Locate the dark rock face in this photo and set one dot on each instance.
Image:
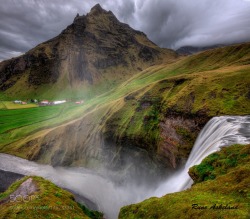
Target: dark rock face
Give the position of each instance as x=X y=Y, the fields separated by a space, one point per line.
x=84 y=51
x=7 y=178
x=147 y=54
x=178 y=133
x=42 y=69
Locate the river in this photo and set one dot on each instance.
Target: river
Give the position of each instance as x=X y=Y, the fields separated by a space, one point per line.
x=108 y=196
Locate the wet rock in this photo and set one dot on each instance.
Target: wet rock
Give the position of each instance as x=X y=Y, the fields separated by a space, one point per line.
x=7 y=178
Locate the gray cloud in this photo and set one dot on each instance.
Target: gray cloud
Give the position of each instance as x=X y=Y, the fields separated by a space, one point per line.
x=169 y=23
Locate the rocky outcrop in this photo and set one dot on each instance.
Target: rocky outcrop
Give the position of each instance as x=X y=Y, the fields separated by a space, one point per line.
x=27 y=188
x=178 y=134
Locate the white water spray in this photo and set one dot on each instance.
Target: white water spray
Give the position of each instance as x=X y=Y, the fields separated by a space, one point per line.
x=98 y=188
x=219 y=132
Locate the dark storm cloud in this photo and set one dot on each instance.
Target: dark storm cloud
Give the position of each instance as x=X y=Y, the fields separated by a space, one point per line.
x=169 y=23
x=195 y=22
x=25 y=23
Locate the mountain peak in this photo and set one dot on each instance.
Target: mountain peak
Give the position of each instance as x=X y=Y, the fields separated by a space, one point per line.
x=97 y=9
x=94 y=44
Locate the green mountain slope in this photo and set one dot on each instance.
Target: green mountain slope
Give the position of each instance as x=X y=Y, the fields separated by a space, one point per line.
x=157 y=113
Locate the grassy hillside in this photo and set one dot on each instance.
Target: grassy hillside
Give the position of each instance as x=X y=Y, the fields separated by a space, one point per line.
x=165 y=116
x=49 y=201
x=221 y=179
x=161 y=109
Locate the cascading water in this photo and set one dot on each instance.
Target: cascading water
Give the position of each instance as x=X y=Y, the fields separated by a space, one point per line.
x=218 y=132
x=109 y=197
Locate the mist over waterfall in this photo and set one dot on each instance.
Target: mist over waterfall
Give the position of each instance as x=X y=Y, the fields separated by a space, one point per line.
x=108 y=196
x=218 y=132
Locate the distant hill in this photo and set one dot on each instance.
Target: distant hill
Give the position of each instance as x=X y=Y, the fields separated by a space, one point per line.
x=94 y=49
x=189 y=50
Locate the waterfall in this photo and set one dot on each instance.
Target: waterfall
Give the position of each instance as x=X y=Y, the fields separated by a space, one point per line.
x=218 y=132
x=110 y=197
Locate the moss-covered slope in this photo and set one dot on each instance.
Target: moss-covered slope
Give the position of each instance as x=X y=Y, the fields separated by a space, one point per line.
x=165 y=117
x=46 y=201
x=221 y=181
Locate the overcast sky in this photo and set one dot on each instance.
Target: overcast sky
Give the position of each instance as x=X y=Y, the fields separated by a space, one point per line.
x=169 y=23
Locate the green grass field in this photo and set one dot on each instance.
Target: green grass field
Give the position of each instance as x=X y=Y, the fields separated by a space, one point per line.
x=2 y=106
x=11 y=105
x=16 y=123
x=14 y=119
